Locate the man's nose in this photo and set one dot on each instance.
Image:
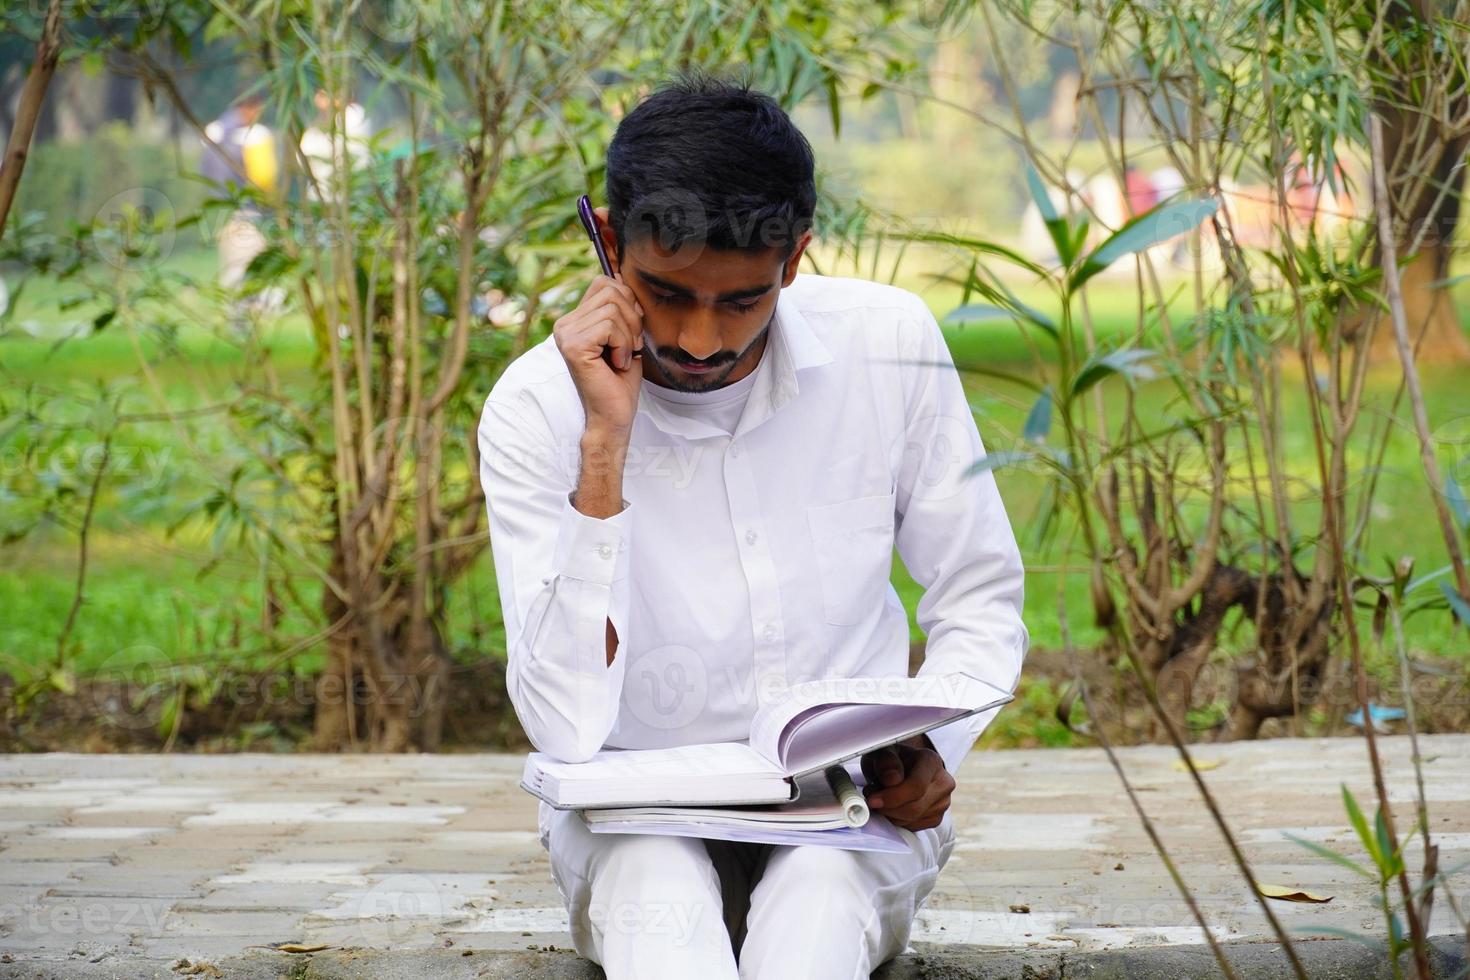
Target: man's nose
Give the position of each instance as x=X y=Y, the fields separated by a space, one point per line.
x=699 y=337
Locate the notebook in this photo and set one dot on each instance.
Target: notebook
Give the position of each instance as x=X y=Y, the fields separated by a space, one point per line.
x=813 y=725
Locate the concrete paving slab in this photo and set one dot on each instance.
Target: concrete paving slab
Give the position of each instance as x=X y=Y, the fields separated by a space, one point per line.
x=404 y=864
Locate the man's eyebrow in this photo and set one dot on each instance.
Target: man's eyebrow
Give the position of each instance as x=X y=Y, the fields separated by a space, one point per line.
x=749 y=292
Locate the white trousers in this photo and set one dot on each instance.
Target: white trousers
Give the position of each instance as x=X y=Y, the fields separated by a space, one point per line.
x=645 y=906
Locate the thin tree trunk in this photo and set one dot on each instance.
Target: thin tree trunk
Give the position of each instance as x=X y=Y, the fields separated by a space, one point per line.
x=48 y=52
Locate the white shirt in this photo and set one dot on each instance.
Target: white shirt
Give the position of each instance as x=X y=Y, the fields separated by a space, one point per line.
x=750 y=559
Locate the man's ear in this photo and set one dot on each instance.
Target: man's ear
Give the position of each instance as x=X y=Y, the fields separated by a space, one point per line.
x=788 y=271
x=609 y=237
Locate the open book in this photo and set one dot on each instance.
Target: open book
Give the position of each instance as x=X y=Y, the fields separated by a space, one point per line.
x=815 y=724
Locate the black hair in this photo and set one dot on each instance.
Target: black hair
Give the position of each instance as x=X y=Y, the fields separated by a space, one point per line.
x=709 y=161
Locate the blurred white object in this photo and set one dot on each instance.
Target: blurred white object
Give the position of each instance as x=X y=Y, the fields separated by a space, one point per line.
x=324 y=154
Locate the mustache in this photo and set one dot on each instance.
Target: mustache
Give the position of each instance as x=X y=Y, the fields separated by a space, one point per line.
x=677 y=357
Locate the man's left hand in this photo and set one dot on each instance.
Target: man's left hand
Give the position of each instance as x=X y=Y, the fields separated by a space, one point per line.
x=908 y=783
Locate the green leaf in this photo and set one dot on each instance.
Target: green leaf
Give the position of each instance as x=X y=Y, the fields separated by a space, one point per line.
x=973 y=245
x=101 y=320
x=978 y=312
x=1056 y=225
x=1003 y=298
x=834 y=105
x=1340 y=934
x=1038 y=420
x=1040 y=196
x=1128 y=362
x=168 y=715
x=1391 y=859
x=1360 y=825
x=994 y=461
x=1457 y=602
x=1332 y=855
x=63 y=680
x=1157 y=224
x=1455 y=494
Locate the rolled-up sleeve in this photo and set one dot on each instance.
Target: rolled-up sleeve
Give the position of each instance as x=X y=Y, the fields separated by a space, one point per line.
x=561 y=575
x=954 y=536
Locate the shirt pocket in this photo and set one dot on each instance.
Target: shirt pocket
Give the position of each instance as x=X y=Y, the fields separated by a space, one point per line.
x=853 y=543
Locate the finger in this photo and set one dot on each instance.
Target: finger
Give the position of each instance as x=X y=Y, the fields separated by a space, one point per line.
x=627 y=291
x=883 y=768
x=613 y=341
x=934 y=798
x=613 y=325
x=916 y=784
x=928 y=820
x=893 y=798
x=604 y=288
x=613 y=304
x=629 y=312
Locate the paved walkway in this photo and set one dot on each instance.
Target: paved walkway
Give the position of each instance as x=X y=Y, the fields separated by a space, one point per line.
x=124 y=865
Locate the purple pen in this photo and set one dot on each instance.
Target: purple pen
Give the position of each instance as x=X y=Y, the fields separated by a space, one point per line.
x=589 y=224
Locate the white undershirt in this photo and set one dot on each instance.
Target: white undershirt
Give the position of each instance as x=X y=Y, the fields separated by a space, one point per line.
x=720 y=408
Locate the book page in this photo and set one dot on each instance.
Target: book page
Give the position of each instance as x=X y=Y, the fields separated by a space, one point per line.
x=711 y=759
x=878 y=834
x=916 y=703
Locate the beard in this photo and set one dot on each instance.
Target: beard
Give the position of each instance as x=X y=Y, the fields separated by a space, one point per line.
x=713 y=380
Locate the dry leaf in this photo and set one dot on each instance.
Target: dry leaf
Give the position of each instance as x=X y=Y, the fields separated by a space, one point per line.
x=1203 y=765
x=292 y=947
x=1291 y=894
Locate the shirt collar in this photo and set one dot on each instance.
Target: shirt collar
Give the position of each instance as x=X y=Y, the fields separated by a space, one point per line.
x=792 y=346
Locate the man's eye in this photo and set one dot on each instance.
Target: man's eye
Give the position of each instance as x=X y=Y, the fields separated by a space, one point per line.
x=662 y=298
x=743 y=307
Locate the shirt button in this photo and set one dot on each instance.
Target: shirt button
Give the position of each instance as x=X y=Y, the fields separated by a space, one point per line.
x=734 y=450
x=769 y=632
x=750 y=537
x=604 y=550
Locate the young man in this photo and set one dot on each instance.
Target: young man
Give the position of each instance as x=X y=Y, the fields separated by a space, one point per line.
x=679 y=535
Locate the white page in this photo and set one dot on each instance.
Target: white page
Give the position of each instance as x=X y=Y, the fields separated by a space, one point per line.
x=878 y=834
x=711 y=758
x=815 y=808
x=806 y=702
x=710 y=773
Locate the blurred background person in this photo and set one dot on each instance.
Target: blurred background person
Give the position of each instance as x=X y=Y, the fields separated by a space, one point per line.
x=243 y=153
x=324 y=151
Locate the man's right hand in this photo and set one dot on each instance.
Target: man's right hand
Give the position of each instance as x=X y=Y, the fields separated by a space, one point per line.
x=608 y=316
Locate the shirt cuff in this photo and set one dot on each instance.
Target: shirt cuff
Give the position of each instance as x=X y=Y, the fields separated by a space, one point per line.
x=592 y=549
